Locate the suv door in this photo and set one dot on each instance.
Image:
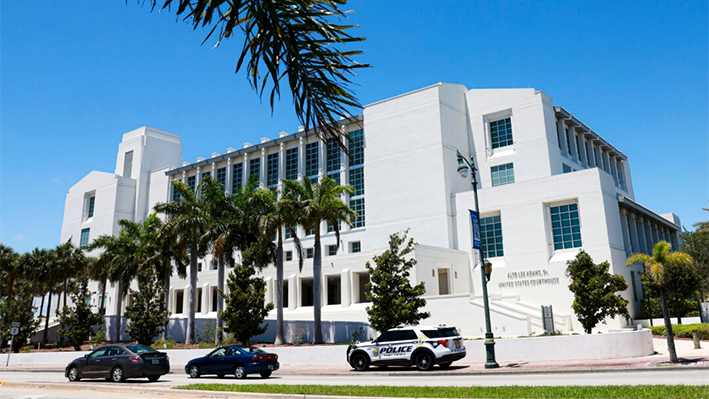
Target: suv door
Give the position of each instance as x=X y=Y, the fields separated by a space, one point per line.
x=396 y=346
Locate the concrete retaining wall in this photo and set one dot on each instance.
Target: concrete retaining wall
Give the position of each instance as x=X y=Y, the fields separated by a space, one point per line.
x=565 y=347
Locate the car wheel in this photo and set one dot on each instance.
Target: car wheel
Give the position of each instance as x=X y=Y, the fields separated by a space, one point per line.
x=424 y=361
x=359 y=362
x=194 y=371
x=153 y=378
x=240 y=372
x=220 y=375
x=265 y=374
x=445 y=365
x=117 y=374
x=74 y=374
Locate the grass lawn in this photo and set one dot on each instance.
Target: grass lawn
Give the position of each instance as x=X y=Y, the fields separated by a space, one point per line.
x=570 y=392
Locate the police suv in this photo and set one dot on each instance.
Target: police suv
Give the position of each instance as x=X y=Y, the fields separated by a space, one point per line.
x=423 y=346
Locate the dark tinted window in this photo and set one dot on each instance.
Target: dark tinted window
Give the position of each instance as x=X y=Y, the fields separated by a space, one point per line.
x=140 y=349
x=389 y=336
x=440 y=333
x=407 y=334
x=99 y=352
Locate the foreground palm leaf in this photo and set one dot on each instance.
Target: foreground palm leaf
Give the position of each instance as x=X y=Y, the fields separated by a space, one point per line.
x=291 y=39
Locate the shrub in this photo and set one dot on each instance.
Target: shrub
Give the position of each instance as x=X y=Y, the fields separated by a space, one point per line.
x=684 y=330
x=158 y=344
x=206 y=345
x=229 y=340
x=208 y=332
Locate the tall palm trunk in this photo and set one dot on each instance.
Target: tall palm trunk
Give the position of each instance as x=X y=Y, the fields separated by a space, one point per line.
x=279 y=291
x=220 y=305
x=102 y=308
x=317 y=291
x=668 y=328
x=166 y=284
x=193 y=294
x=46 y=320
x=119 y=305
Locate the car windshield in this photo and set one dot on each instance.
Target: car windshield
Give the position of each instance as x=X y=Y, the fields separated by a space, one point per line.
x=252 y=349
x=139 y=349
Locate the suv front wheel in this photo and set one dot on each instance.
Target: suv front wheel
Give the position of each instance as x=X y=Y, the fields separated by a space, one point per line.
x=360 y=362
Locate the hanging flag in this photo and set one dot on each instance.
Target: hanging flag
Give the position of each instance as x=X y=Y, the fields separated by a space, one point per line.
x=476 y=229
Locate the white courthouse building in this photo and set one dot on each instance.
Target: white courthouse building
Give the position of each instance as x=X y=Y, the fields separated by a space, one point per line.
x=548 y=186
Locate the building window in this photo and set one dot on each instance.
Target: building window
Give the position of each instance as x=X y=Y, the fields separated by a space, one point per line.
x=558 y=135
x=357 y=180
x=221 y=176
x=501 y=133
x=205 y=174
x=179 y=301
x=567 y=168
x=356 y=147
x=566 y=229
x=84 y=239
x=90 y=210
x=491 y=237
x=311 y=161
x=285 y=294
x=198 y=308
x=331 y=250
x=192 y=182
x=357 y=205
x=128 y=164
x=568 y=140
x=331 y=228
x=355 y=246
x=632 y=279
x=306 y=292
x=255 y=168
x=237 y=177
x=578 y=148
x=333 y=290
x=310 y=232
x=309 y=253
x=289 y=256
x=292 y=164
x=272 y=170
x=333 y=156
x=288 y=232
x=502 y=174
x=215 y=297
x=362 y=280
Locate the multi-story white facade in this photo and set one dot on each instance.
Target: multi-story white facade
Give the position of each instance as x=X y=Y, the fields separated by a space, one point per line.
x=548 y=187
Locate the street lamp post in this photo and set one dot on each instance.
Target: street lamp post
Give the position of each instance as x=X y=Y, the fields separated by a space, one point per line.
x=485 y=266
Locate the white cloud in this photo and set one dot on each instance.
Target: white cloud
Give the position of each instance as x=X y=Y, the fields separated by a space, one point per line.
x=20 y=237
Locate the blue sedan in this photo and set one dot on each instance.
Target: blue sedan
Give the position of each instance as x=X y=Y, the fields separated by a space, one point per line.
x=237 y=360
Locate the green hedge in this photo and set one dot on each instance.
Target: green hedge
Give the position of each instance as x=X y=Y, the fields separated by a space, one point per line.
x=684 y=330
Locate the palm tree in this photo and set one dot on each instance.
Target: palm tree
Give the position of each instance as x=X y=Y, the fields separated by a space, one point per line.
x=312 y=204
x=295 y=39
x=124 y=257
x=219 y=210
x=9 y=271
x=655 y=278
x=72 y=261
x=188 y=220
x=279 y=216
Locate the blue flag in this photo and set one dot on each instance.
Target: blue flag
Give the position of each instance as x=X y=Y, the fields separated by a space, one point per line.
x=476 y=229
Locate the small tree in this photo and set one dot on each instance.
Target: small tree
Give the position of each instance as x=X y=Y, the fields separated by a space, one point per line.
x=245 y=303
x=147 y=315
x=394 y=300
x=594 y=289
x=19 y=309
x=77 y=322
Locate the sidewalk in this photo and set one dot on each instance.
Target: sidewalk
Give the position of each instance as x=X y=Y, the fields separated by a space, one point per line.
x=689 y=358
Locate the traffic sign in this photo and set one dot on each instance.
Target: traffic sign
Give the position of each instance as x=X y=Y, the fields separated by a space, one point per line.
x=15 y=324
x=14 y=330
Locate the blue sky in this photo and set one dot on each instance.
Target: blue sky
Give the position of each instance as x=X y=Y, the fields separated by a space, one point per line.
x=76 y=75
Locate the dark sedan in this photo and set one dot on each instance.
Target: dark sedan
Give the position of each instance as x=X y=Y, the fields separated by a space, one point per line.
x=237 y=360
x=118 y=362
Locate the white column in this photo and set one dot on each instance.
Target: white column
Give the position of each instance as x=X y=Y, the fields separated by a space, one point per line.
x=228 y=187
x=263 y=168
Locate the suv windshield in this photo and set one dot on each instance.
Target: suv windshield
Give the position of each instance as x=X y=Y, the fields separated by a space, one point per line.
x=440 y=333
